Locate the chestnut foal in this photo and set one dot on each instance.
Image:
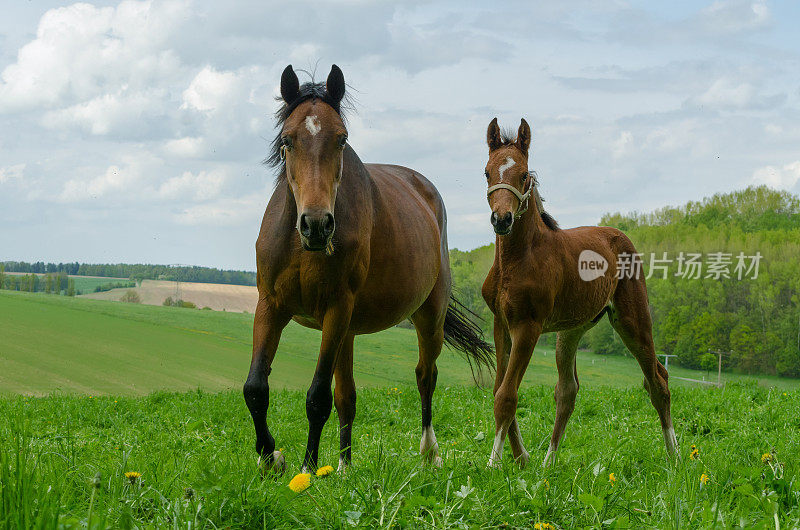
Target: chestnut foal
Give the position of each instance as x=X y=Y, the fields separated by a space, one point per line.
x=535 y=286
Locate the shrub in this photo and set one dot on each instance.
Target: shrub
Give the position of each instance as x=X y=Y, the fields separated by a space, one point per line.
x=131 y=297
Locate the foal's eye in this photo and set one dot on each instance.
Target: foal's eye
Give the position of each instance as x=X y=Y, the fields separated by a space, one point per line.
x=342 y=140
x=486 y=174
x=524 y=177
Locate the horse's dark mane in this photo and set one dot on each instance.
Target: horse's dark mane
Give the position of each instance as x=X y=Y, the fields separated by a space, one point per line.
x=548 y=219
x=308 y=91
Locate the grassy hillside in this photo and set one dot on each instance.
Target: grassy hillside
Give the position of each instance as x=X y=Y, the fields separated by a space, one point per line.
x=61 y=344
x=195 y=455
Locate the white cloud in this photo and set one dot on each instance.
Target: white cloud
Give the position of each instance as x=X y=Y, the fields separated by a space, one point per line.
x=127 y=180
x=212 y=90
x=109 y=113
x=11 y=172
x=622 y=144
x=202 y=186
x=186 y=147
x=727 y=93
x=224 y=212
x=733 y=16
x=80 y=50
x=785 y=177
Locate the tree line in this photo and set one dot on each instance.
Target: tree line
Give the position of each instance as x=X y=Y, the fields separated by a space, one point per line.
x=751 y=314
x=50 y=283
x=137 y=272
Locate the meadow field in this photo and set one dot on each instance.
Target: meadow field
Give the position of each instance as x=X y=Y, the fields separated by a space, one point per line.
x=93 y=389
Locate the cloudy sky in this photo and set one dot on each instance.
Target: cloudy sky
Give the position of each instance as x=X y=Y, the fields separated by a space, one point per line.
x=133 y=131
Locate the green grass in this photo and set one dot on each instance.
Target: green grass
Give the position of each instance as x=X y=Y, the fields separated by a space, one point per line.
x=61 y=344
x=63 y=459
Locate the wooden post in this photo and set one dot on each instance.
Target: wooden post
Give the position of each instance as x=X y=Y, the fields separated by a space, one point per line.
x=719 y=370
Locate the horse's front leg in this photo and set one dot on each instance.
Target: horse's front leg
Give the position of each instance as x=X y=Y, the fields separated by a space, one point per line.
x=319 y=399
x=267 y=327
x=523 y=340
x=344 y=398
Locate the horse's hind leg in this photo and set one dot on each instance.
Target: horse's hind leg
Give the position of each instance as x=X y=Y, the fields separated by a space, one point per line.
x=567 y=386
x=429 y=322
x=630 y=317
x=344 y=397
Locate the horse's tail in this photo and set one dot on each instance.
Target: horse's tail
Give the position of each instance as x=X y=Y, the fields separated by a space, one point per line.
x=464 y=335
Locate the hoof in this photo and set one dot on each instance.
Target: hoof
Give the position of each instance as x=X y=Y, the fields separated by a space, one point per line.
x=436 y=462
x=276 y=465
x=522 y=460
x=493 y=464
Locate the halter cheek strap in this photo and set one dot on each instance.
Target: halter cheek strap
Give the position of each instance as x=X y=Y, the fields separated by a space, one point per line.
x=522 y=197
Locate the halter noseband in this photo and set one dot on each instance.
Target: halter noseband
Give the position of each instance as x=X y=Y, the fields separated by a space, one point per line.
x=523 y=198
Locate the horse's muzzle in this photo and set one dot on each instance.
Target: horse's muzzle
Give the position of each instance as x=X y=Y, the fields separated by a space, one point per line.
x=502 y=224
x=316 y=230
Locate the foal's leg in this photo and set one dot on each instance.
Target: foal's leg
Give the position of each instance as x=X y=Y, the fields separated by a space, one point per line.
x=429 y=323
x=502 y=347
x=267 y=327
x=523 y=340
x=567 y=386
x=630 y=317
x=319 y=399
x=344 y=397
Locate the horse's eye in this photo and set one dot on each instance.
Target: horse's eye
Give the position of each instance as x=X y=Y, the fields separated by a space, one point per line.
x=342 y=140
x=486 y=174
x=524 y=177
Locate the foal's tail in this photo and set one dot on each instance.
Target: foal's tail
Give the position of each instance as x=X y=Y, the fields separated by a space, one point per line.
x=464 y=335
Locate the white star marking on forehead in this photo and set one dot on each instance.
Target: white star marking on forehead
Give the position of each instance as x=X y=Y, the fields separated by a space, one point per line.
x=312 y=124
x=508 y=165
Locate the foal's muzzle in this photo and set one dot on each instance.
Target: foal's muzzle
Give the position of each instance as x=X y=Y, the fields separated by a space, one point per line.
x=502 y=223
x=316 y=230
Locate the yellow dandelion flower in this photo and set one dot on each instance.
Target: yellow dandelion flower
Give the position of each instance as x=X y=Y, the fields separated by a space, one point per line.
x=132 y=476
x=612 y=478
x=546 y=484
x=543 y=526
x=300 y=482
x=703 y=479
x=766 y=457
x=695 y=454
x=324 y=471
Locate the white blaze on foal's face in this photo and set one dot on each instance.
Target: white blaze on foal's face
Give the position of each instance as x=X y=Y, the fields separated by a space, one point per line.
x=312 y=124
x=509 y=163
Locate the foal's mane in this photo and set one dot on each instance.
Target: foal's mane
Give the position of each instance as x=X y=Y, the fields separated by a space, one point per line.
x=508 y=137
x=548 y=219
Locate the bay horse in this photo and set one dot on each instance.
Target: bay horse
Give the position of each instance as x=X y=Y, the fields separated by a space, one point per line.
x=535 y=286
x=347 y=248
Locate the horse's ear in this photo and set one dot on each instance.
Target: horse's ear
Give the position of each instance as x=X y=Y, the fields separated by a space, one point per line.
x=493 y=137
x=524 y=136
x=290 y=85
x=335 y=84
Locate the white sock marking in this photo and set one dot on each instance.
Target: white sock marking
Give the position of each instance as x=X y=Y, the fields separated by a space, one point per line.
x=505 y=167
x=428 y=442
x=497 y=449
x=312 y=124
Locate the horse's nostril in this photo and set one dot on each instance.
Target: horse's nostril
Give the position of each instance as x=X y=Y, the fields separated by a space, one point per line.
x=495 y=218
x=305 y=228
x=328 y=225
x=507 y=218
